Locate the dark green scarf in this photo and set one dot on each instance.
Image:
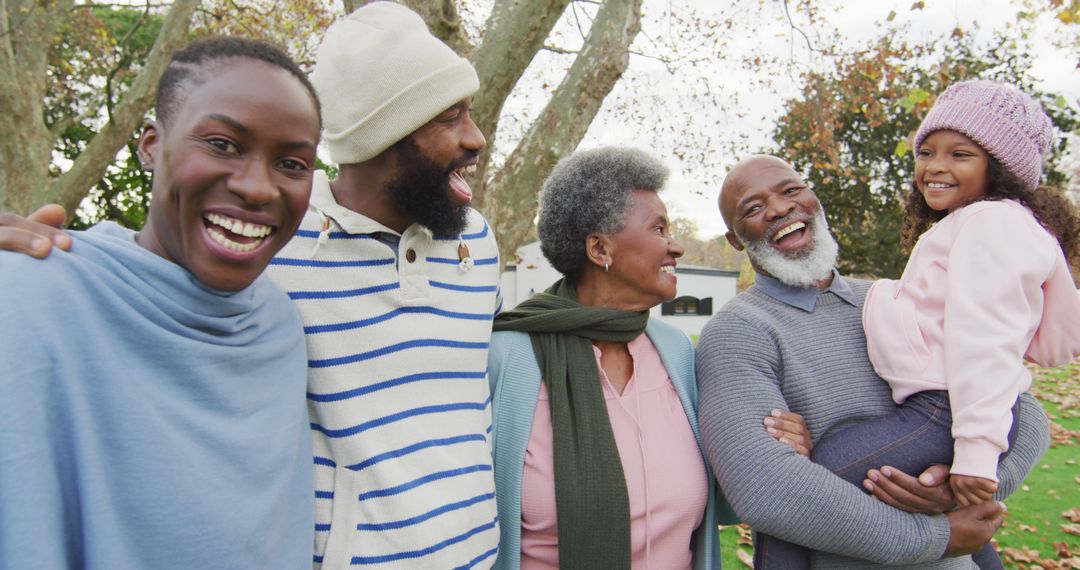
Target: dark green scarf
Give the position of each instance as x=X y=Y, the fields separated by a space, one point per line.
x=591 y=500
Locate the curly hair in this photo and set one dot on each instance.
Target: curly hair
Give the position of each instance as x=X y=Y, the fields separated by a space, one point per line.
x=591 y=192
x=204 y=58
x=1051 y=208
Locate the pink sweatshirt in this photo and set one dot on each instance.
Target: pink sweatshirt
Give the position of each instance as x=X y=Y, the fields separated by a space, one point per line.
x=984 y=288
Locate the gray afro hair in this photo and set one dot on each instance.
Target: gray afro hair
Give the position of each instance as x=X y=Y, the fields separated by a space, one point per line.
x=590 y=192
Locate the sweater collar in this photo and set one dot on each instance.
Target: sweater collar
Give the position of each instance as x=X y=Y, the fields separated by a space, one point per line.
x=804 y=298
x=322 y=199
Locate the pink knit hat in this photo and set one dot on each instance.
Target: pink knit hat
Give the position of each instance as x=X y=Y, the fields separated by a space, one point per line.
x=1006 y=123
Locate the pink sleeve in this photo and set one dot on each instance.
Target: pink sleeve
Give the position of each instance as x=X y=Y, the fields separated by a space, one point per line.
x=993 y=301
x=1058 y=339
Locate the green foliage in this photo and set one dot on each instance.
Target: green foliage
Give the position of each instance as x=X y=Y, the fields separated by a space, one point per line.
x=100 y=52
x=96 y=58
x=122 y=196
x=850 y=132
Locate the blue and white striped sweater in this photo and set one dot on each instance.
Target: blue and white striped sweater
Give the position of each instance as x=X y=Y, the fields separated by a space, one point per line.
x=397 y=389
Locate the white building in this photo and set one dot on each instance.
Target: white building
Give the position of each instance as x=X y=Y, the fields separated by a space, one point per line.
x=701 y=290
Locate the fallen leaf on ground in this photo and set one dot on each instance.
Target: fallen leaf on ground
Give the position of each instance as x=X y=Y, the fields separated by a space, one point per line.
x=746 y=536
x=1019 y=555
x=1062 y=436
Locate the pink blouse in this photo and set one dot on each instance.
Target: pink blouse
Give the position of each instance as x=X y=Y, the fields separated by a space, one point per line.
x=665 y=474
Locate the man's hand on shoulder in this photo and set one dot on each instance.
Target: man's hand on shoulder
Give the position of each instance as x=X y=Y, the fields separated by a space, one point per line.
x=35 y=235
x=927 y=494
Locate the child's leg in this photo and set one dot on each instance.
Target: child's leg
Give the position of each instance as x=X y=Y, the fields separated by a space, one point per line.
x=987 y=558
x=916 y=435
x=771 y=553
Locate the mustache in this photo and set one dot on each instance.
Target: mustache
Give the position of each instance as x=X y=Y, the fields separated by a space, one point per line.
x=466 y=158
x=787 y=220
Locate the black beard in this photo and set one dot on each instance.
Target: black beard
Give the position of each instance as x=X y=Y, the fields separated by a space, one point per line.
x=421 y=191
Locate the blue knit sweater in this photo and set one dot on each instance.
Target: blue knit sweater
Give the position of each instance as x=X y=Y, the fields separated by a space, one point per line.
x=146 y=421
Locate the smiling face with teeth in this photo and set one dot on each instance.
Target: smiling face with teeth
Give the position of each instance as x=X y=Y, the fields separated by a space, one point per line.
x=640 y=256
x=231 y=173
x=771 y=212
x=951 y=170
x=763 y=198
x=431 y=164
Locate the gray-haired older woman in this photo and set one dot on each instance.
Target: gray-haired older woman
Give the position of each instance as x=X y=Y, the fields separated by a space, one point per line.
x=602 y=468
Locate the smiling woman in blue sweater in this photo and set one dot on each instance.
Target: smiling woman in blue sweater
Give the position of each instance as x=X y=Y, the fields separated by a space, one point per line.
x=152 y=397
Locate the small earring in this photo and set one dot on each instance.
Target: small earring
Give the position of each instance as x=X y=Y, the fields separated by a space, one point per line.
x=606 y=266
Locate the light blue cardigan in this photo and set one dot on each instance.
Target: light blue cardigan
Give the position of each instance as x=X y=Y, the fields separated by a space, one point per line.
x=515 y=387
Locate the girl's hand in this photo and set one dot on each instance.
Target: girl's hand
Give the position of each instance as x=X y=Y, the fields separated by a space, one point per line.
x=790 y=428
x=971 y=490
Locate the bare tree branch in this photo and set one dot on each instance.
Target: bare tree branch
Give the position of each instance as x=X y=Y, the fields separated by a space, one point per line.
x=70 y=188
x=124 y=61
x=516 y=31
x=794 y=28
x=577 y=21
x=563 y=122
x=559 y=50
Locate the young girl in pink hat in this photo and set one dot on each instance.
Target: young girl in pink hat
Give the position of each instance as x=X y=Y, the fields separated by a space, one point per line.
x=987 y=286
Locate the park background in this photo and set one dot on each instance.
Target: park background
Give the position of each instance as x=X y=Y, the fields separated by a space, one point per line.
x=838 y=88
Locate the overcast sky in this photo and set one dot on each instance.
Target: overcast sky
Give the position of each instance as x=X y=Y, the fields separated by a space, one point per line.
x=734 y=116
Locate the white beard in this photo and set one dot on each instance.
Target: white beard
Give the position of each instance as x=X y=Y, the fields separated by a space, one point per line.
x=806 y=270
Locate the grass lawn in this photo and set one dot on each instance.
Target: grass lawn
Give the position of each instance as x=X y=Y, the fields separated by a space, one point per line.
x=1042 y=530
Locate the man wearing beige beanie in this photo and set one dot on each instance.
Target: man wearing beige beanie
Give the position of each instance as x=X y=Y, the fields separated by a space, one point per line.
x=396 y=281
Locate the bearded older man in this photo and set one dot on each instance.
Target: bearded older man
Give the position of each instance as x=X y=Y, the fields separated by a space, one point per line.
x=794 y=341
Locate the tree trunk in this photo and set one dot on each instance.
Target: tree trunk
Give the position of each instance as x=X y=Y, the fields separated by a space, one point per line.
x=516 y=31
x=511 y=195
x=70 y=188
x=444 y=22
x=26 y=28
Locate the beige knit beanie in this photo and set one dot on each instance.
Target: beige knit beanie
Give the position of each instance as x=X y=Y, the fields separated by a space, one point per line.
x=380 y=76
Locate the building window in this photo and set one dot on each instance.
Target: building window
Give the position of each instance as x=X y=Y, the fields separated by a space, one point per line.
x=687 y=306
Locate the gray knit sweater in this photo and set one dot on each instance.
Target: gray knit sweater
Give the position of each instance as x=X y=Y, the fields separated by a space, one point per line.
x=758 y=354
